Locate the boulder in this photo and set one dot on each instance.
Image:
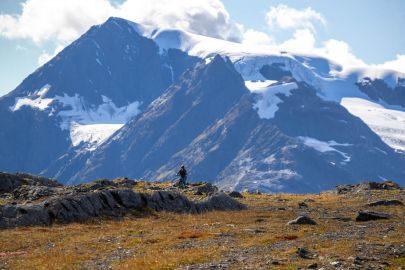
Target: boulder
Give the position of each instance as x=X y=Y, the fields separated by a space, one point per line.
x=366 y=215
x=385 y=203
x=125 y=182
x=236 y=194
x=207 y=188
x=305 y=253
x=302 y=220
x=221 y=202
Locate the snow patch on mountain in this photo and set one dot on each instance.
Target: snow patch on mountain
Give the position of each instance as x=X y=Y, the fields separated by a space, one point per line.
x=322 y=146
x=258 y=86
x=86 y=123
x=386 y=121
x=37 y=103
x=267 y=105
x=77 y=110
x=93 y=134
x=36 y=100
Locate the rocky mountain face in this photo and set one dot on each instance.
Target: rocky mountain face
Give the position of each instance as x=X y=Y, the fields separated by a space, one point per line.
x=208 y=121
x=126 y=101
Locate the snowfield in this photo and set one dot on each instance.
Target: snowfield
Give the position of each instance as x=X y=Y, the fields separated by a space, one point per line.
x=86 y=123
x=93 y=134
x=267 y=105
x=388 y=123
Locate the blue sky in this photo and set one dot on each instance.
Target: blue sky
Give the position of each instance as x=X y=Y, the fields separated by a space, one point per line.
x=359 y=32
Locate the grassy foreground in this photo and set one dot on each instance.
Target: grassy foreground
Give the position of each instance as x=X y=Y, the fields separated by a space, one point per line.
x=257 y=238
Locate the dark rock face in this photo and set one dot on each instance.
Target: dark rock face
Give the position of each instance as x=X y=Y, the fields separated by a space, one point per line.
x=370 y=215
x=302 y=220
x=305 y=114
x=107 y=203
x=29 y=139
x=378 y=89
x=275 y=71
x=385 y=202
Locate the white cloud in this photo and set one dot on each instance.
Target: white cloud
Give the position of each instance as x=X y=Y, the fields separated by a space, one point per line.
x=63 y=21
x=253 y=37
x=397 y=64
x=208 y=17
x=340 y=52
x=303 y=41
x=284 y=17
x=304 y=22
x=59 y=20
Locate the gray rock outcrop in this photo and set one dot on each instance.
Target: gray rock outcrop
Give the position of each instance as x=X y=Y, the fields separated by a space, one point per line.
x=11 y=181
x=391 y=202
x=386 y=185
x=366 y=215
x=80 y=207
x=302 y=220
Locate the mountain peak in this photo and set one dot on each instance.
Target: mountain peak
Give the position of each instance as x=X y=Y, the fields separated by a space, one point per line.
x=220 y=70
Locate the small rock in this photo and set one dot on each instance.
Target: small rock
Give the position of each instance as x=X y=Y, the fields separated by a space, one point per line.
x=302 y=205
x=336 y=264
x=313 y=266
x=236 y=194
x=305 y=253
x=385 y=203
x=358 y=261
x=370 y=215
x=275 y=262
x=260 y=231
x=302 y=220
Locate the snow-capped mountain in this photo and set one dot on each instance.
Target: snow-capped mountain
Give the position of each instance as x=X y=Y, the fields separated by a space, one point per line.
x=130 y=100
x=360 y=90
x=83 y=95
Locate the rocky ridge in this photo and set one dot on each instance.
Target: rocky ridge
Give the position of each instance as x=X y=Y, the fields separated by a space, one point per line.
x=50 y=202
